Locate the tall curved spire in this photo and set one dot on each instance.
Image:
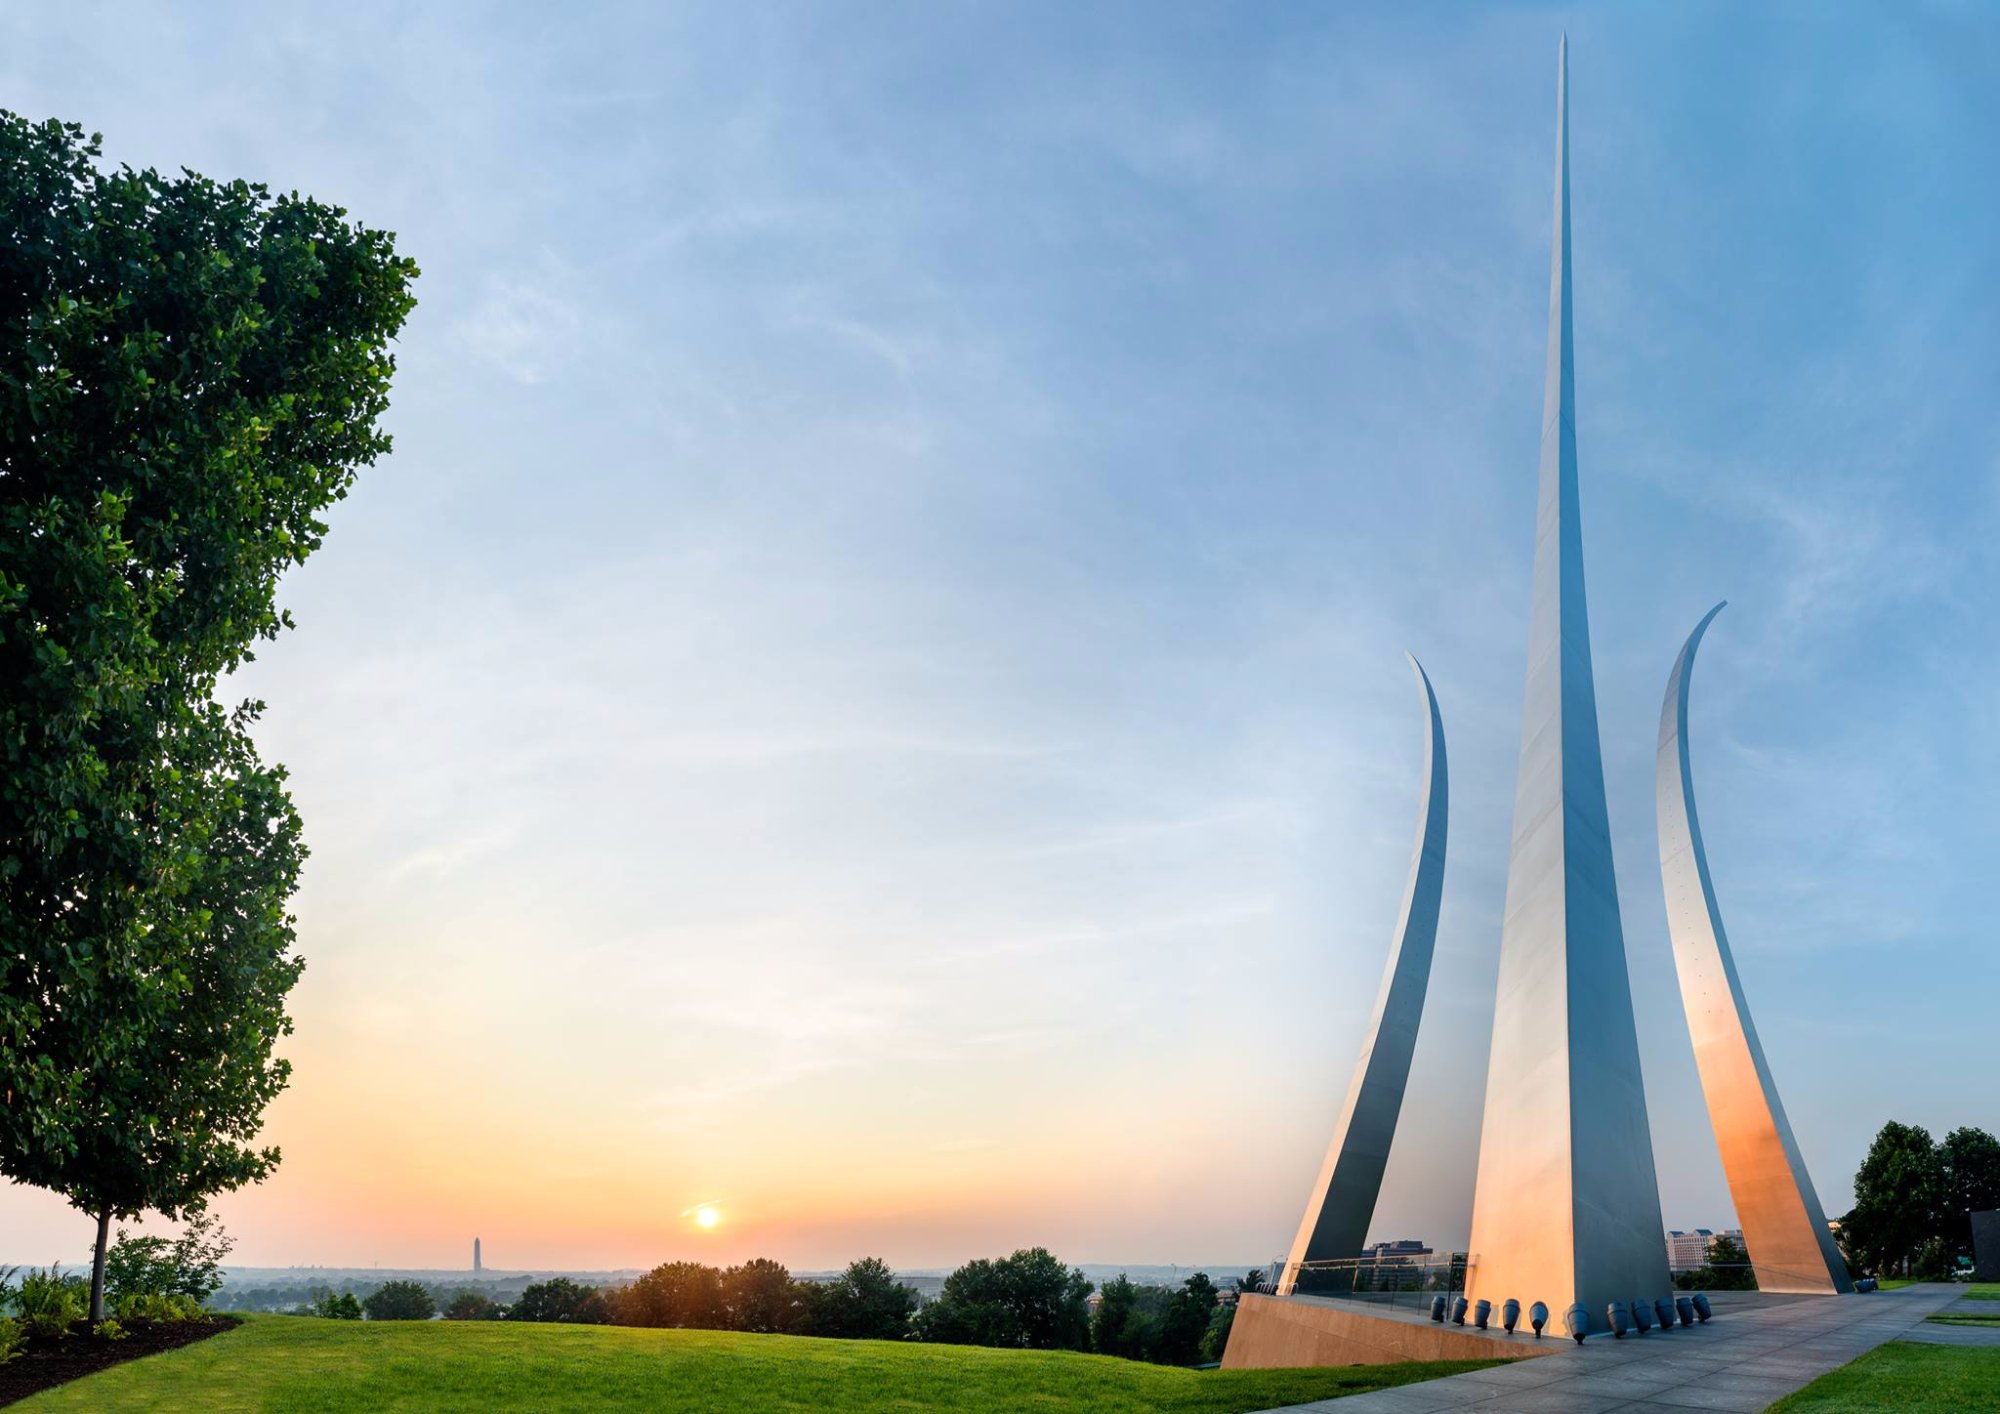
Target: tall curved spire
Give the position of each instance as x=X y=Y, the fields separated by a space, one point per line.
x=1566 y=1207
x=1784 y=1227
x=1343 y=1198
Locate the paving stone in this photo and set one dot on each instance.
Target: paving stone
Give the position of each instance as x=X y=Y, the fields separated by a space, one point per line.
x=1743 y=1361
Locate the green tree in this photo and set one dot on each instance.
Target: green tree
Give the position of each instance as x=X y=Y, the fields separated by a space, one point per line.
x=400 y=1301
x=190 y=373
x=560 y=1300
x=341 y=1307
x=1029 y=1300
x=1186 y=1320
x=761 y=1296
x=1116 y=1326
x=1898 y=1193
x=685 y=1295
x=865 y=1302
x=1971 y=1184
x=472 y=1306
x=1727 y=1267
x=1215 y=1340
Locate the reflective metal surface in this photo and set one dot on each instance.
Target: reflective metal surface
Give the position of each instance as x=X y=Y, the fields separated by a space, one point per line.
x=1566 y=1209
x=1783 y=1225
x=1336 y=1219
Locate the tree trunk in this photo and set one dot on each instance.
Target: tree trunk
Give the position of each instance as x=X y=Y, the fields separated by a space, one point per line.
x=97 y=1267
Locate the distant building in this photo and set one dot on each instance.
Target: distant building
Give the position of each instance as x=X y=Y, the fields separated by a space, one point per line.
x=477 y=1267
x=1688 y=1250
x=1405 y=1249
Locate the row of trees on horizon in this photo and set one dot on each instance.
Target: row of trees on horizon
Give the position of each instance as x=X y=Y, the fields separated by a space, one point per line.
x=1028 y=1301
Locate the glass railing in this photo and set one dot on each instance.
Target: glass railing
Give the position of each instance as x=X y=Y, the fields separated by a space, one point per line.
x=1387 y=1281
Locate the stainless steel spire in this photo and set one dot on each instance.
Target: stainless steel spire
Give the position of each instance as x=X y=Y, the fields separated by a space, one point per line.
x=1343 y=1198
x=1784 y=1227
x=1566 y=1207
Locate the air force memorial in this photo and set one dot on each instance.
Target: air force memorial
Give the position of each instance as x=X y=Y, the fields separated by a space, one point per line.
x=1566 y=1226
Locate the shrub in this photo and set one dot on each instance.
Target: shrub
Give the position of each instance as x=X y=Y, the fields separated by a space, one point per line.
x=50 y=1303
x=190 y=1265
x=155 y=1306
x=12 y=1338
x=336 y=1308
x=108 y=1330
x=561 y=1300
x=400 y=1301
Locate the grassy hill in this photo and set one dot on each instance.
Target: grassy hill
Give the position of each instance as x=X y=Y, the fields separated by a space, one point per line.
x=277 y=1363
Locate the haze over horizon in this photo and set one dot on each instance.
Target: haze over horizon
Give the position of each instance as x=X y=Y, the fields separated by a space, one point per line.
x=870 y=693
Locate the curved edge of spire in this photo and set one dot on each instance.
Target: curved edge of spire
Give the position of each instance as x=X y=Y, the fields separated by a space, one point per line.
x=1776 y=1204
x=1342 y=1201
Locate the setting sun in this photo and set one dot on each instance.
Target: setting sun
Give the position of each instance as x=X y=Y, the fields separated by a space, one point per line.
x=707 y=1215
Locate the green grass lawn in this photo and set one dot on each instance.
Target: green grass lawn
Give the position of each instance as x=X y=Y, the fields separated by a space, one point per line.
x=280 y=1363
x=1986 y=1292
x=1965 y=1318
x=1908 y=1378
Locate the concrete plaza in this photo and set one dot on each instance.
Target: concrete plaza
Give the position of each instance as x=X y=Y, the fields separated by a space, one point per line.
x=1754 y=1352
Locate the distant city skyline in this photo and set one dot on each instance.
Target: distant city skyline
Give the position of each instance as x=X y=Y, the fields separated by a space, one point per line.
x=868 y=696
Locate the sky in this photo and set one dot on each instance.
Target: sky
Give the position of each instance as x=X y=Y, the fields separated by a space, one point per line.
x=870 y=690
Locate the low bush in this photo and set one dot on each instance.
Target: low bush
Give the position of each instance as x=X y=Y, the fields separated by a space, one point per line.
x=189 y=1265
x=331 y=1307
x=12 y=1338
x=155 y=1306
x=108 y=1330
x=49 y=1303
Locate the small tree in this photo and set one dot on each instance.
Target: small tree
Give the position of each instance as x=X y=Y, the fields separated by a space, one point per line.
x=190 y=374
x=865 y=1302
x=340 y=1307
x=400 y=1301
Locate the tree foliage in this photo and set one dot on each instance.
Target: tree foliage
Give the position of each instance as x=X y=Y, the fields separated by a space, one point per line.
x=865 y=1302
x=188 y=1265
x=761 y=1296
x=1029 y=1300
x=1898 y=1199
x=337 y=1306
x=473 y=1306
x=561 y=1300
x=190 y=374
x=673 y=1294
x=1970 y=1159
x=400 y=1301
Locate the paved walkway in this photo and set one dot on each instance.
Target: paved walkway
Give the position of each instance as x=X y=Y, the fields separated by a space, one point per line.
x=1744 y=1360
x=1937 y=1333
